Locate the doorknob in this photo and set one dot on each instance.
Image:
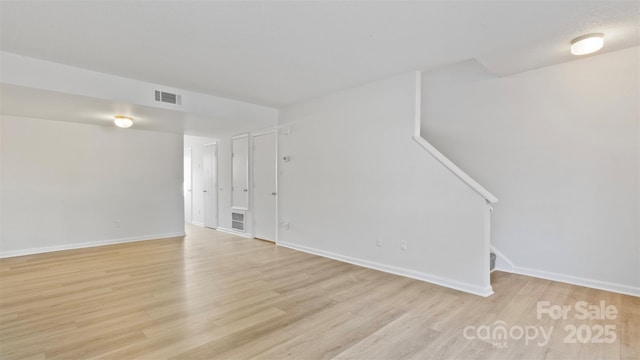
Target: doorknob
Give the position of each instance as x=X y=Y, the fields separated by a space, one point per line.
x=245 y=190
x=273 y=193
x=204 y=190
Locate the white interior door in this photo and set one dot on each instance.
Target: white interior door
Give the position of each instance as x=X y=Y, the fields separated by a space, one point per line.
x=188 y=200
x=240 y=172
x=264 y=186
x=210 y=185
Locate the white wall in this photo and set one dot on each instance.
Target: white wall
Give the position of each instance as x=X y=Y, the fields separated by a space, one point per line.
x=226 y=114
x=559 y=146
x=356 y=176
x=64 y=185
x=197 y=143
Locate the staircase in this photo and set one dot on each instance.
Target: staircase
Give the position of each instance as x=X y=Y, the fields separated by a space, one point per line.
x=492 y=261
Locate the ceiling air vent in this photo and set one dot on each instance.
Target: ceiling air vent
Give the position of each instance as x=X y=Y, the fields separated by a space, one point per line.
x=168 y=98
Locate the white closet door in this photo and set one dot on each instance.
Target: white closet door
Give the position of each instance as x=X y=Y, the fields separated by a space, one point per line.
x=240 y=171
x=188 y=200
x=210 y=185
x=264 y=186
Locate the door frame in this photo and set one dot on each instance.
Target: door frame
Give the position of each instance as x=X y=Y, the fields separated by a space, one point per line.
x=277 y=205
x=214 y=158
x=187 y=189
x=248 y=166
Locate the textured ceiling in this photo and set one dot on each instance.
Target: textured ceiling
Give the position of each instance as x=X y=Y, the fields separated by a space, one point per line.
x=278 y=53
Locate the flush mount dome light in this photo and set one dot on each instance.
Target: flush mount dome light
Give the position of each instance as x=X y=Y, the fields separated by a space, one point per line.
x=123 y=121
x=587 y=44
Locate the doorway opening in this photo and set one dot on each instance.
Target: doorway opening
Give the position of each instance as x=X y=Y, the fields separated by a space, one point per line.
x=201 y=181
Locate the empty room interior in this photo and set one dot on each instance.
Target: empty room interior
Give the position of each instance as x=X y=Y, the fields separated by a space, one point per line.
x=320 y=180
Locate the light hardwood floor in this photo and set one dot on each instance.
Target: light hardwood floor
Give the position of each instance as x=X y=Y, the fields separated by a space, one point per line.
x=216 y=296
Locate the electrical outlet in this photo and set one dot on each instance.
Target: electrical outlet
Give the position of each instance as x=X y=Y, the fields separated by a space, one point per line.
x=285 y=225
x=379 y=242
x=116 y=223
x=404 y=245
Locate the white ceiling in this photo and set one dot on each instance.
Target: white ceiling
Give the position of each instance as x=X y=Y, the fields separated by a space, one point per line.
x=278 y=53
x=53 y=105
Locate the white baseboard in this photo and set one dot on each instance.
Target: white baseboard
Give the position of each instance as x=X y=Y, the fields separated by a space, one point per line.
x=574 y=280
x=507 y=266
x=457 y=285
x=502 y=262
x=196 y=223
x=14 y=253
x=234 y=232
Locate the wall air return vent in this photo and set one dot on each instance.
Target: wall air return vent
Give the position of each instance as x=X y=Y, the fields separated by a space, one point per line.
x=169 y=98
x=237 y=220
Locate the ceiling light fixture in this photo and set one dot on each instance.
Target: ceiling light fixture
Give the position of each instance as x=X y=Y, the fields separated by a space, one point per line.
x=123 y=121
x=587 y=44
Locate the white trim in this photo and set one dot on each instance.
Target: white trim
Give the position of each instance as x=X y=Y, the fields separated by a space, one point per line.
x=487 y=242
x=504 y=264
x=500 y=256
x=215 y=183
x=263 y=132
x=233 y=232
x=277 y=219
x=437 y=154
x=197 y=223
x=574 y=280
x=248 y=167
x=47 y=249
x=240 y=136
x=417 y=122
x=269 y=131
x=187 y=190
x=430 y=278
x=455 y=170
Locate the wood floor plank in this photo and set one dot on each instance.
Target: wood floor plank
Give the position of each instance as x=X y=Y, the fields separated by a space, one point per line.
x=212 y=295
